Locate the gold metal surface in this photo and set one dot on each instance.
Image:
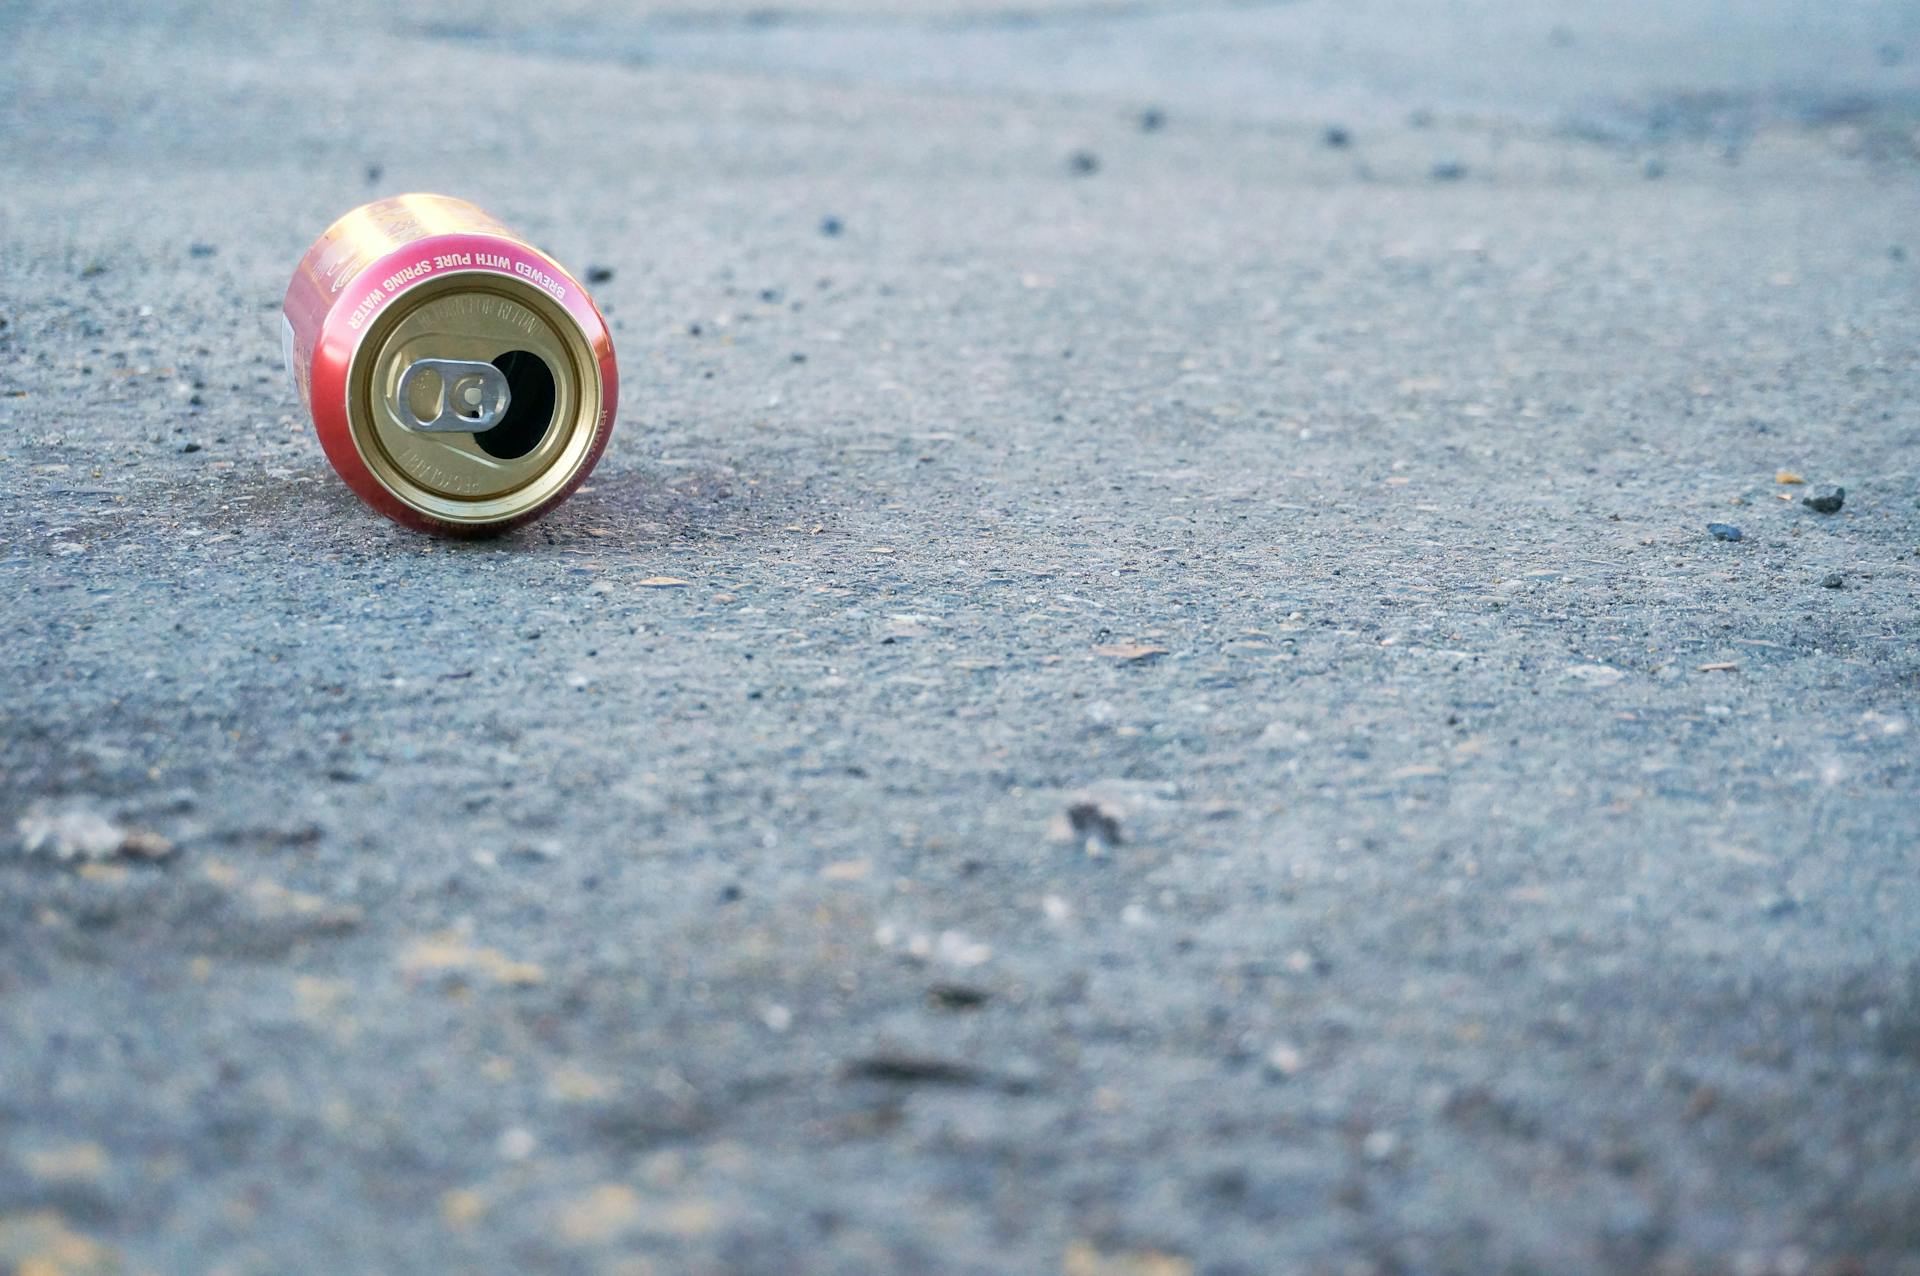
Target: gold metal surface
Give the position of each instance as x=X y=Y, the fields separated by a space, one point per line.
x=477 y=315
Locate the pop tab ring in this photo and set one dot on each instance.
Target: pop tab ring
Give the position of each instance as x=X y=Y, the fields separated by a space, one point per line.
x=473 y=396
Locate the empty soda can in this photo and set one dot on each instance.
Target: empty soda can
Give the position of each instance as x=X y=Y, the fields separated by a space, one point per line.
x=459 y=379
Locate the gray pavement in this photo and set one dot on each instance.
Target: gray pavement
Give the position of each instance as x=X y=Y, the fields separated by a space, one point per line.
x=1204 y=730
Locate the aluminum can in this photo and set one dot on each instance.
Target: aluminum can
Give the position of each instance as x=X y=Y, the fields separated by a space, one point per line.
x=459 y=379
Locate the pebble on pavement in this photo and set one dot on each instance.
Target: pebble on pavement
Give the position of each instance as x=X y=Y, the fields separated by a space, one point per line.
x=82 y=833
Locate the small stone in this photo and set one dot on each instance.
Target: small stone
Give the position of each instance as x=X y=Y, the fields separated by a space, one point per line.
x=1787 y=478
x=1834 y=580
x=1724 y=531
x=72 y=834
x=93 y=269
x=189 y=446
x=375 y=172
x=955 y=948
x=1094 y=826
x=798 y=357
x=1380 y=1145
x=1336 y=138
x=957 y=997
x=599 y=274
x=1083 y=163
x=832 y=227
x=1285 y=1060
x=1449 y=171
x=201 y=250
x=141 y=844
x=78 y=832
x=1827 y=502
x=908 y=1069
x=1152 y=120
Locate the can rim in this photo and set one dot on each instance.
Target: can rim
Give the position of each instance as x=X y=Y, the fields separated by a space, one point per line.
x=583 y=422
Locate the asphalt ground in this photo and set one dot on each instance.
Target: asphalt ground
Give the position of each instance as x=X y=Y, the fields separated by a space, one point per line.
x=1204 y=730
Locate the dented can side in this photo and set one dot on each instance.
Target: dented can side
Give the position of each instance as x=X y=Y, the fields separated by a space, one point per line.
x=412 y=318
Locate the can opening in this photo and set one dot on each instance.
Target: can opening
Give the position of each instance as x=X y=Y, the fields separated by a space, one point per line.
x=529 y=411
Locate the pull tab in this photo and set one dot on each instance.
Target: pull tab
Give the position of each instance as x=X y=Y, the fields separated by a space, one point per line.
x=473 y=396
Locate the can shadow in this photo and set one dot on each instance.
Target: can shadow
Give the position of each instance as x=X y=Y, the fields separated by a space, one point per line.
x=650 y=506
x=621 y=507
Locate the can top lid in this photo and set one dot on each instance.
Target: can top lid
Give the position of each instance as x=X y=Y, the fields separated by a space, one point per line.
x=474 y=398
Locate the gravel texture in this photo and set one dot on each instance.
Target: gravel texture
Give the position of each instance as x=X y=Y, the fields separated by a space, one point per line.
x=1165 y=715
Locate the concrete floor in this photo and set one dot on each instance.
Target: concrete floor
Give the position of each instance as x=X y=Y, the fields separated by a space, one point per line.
x=1286 y=433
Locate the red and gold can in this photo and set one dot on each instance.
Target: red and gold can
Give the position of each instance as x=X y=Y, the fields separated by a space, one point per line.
x=459 y=379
